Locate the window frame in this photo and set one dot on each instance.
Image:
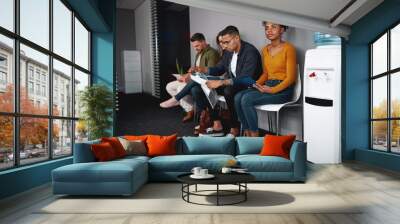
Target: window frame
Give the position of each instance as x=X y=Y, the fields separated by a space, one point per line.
x=16 y=114
x=388 y=74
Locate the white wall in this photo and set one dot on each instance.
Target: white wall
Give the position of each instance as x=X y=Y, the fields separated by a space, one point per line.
x=210 y=23
x=143 y=44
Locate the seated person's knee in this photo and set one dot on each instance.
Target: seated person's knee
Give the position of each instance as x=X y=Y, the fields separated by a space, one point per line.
x=247 y=101
x=238 y=98
x=196 y=90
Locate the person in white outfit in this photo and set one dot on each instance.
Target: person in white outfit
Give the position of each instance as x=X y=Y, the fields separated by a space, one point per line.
x=186 y=102
x=206 y=56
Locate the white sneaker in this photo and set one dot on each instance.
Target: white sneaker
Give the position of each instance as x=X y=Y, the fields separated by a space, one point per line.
x=169 y=103
x=210 y=132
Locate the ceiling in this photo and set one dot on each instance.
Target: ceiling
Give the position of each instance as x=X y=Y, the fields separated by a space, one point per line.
x=330 y=16
x=318 y=9
x=128 y=4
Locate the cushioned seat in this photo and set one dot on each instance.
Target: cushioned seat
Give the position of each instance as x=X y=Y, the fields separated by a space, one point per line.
x=185 y=163
x=130 y=158
x=267 y=168
x=166 y=168
x=118 y=177
x=265 y=163
x=94 y=172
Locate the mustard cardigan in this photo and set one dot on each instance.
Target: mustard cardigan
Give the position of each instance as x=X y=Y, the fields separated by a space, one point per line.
x=281 y=66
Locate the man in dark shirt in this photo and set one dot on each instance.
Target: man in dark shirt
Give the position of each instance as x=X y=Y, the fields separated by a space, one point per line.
x=242 y=63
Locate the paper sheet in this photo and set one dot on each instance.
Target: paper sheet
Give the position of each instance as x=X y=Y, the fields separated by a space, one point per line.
x=211 y=94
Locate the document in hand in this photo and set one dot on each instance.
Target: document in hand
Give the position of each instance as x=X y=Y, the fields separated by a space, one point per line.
x=176 y=75
x=211 y=94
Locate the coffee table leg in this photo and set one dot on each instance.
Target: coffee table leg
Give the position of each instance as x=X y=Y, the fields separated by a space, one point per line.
x=245 y=191
x=188 y=189
x=217 y=194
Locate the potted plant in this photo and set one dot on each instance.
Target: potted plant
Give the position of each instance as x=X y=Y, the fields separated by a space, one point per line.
x=96 y=102
x=179 y=68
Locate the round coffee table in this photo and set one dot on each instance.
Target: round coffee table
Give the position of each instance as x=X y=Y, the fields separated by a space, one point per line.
x=238 y=179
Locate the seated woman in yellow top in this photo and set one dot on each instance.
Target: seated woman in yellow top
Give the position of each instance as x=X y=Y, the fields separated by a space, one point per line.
x=275 y=85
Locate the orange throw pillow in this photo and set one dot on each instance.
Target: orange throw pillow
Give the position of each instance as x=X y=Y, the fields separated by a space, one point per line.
x=103 y=151
x=277 y=145
x=116 y=145
x=161 y=145
x=136 y=137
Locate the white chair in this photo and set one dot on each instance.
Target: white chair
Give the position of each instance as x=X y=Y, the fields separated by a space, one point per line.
x=278 y=107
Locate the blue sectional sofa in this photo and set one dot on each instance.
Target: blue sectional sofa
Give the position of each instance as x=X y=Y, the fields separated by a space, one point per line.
x=125 y=176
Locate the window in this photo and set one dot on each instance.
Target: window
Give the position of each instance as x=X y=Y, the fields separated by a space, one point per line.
x=3 y=72
x=7 y=14
x=62 y=74
x=81 y=81
x=395 y=47
x=35 y=21
x=6 y=142
x=6 y=73
x=379 y=56
x=62 y=29
x=45 y=131
x=44 y=91
x=34 y=145
x=62 y=137
x=3 y=78
x=3 y=61
x=30 y=72
x=37 y=74
x=30 y=88
x=38 y=89
x=385 y=94
x=81 y=45
x=40 y=63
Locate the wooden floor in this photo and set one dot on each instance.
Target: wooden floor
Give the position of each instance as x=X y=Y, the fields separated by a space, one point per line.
x=378 y=189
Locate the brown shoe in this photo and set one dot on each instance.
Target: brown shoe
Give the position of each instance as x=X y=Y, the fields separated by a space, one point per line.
x=188 y=117
x=196 y=130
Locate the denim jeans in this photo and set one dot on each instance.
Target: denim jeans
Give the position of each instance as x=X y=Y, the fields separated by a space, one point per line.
x=245 y=102
x=189 y=86
x=199 y=98
x=186 y=90
x=228 y=92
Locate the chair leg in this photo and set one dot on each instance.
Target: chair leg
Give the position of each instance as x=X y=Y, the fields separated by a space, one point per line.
x=197 y=114
x=269 y=121
x=277 y=123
